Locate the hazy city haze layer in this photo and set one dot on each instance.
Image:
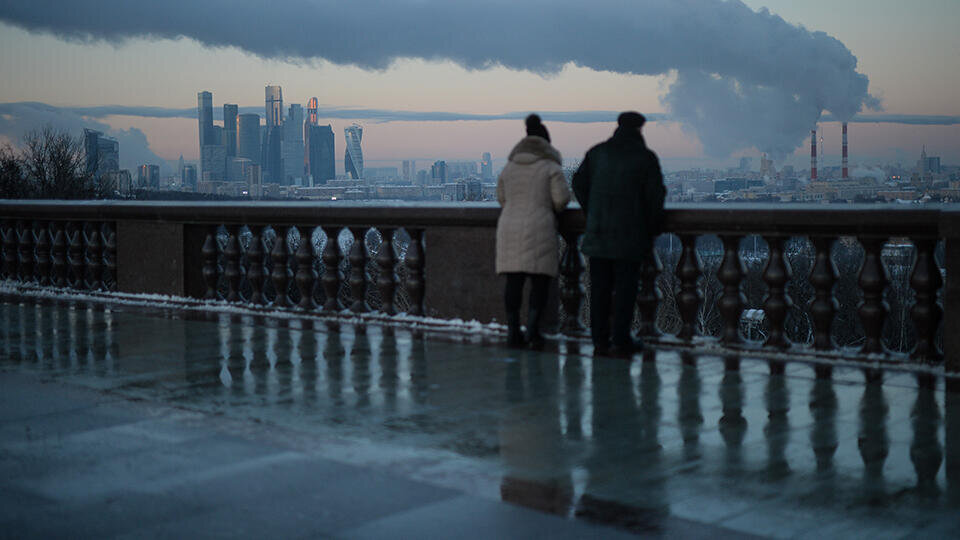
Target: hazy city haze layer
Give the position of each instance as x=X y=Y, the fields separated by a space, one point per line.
x=743 y=78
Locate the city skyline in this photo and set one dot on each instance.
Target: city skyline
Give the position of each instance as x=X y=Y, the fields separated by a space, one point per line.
x=888 y=45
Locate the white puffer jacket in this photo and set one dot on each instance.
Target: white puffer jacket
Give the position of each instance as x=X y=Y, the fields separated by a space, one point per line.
x=532 y=190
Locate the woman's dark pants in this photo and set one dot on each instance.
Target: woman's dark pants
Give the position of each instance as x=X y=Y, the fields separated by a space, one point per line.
x=513 y=298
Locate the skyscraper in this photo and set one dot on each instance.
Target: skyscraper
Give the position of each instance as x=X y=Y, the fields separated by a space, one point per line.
x=205 y=117
x=353 y=153
x=248 y=137
x=274 y=105
x=320 y=153
x=312 y=116
x=486 y=166
x=272 y=151
x=213 y=163
x=230 y=129
x=188 y=177
x=102 y=153
x=293 y=145
x=272 y=155
x=148 y=176
x=311 y=120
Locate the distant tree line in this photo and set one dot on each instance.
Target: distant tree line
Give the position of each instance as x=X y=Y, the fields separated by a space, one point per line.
x=49 y=164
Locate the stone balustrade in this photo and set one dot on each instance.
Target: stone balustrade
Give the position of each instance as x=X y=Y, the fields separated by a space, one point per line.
x=436 y=260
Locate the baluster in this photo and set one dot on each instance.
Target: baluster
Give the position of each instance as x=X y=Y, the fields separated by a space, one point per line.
x=59 y=255
x=331 y=270
x=281 y=270
x=688 y=298
x=26 y=251
x=731 y=301
x=43 y=254
x=75 y=255
x=232 y=270
x=926 y=312
x=9 y=250
x=776 y=275
x=95 y=256
x=209 y=252
x=873 y=280
x=110 y=258
x=824 y=306
x=648 y=298
x=306 y=276
x=255 y=273
x=358 y=271
x=387 y=279
x=414 y=263
x=571 y=292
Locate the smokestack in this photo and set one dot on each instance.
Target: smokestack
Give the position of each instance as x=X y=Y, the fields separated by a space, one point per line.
x=813 y=154
x=844 y=164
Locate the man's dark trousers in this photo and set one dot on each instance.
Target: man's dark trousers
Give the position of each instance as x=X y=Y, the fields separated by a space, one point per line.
x=613 y=282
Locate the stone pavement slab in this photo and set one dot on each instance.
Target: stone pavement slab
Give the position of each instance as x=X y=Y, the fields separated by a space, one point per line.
x=123 y=423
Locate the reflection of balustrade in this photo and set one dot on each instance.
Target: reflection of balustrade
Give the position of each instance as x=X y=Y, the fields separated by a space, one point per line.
x=633 y=418
x=248 y=254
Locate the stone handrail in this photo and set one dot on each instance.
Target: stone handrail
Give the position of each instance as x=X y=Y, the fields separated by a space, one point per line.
x=178 y=248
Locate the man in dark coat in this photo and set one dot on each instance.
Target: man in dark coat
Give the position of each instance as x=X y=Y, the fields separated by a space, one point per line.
x=620 y=188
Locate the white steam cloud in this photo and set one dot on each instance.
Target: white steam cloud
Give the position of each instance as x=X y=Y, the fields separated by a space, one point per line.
x=744 y=78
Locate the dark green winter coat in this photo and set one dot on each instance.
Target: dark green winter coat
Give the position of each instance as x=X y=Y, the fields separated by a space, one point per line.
x=620 y=188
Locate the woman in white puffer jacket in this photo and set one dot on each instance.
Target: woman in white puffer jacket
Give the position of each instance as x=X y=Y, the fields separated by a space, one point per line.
x=532 y=191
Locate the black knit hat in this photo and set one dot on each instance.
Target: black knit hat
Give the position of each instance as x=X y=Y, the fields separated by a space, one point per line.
x=534 y=127
x=631 y=119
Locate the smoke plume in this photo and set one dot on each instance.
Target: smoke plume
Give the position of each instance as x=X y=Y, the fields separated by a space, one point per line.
x=743 y=77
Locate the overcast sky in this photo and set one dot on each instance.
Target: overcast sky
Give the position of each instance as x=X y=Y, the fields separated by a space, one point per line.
x=906 y=50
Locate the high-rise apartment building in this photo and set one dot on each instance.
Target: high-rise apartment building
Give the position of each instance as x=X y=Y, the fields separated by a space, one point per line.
x=230 y=129
x=248 y=137
x=320 y=154
x=274 y=105
x=438 y=172
x=409 y=170
x=461 y=169
x=353 y=153
x=486 y=166
x=102 y=154
x=293 y=146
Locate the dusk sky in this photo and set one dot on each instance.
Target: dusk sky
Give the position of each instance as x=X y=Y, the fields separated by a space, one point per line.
x=908 y=51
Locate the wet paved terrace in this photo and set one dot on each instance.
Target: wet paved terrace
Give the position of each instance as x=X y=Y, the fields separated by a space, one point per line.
x=133 y=422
